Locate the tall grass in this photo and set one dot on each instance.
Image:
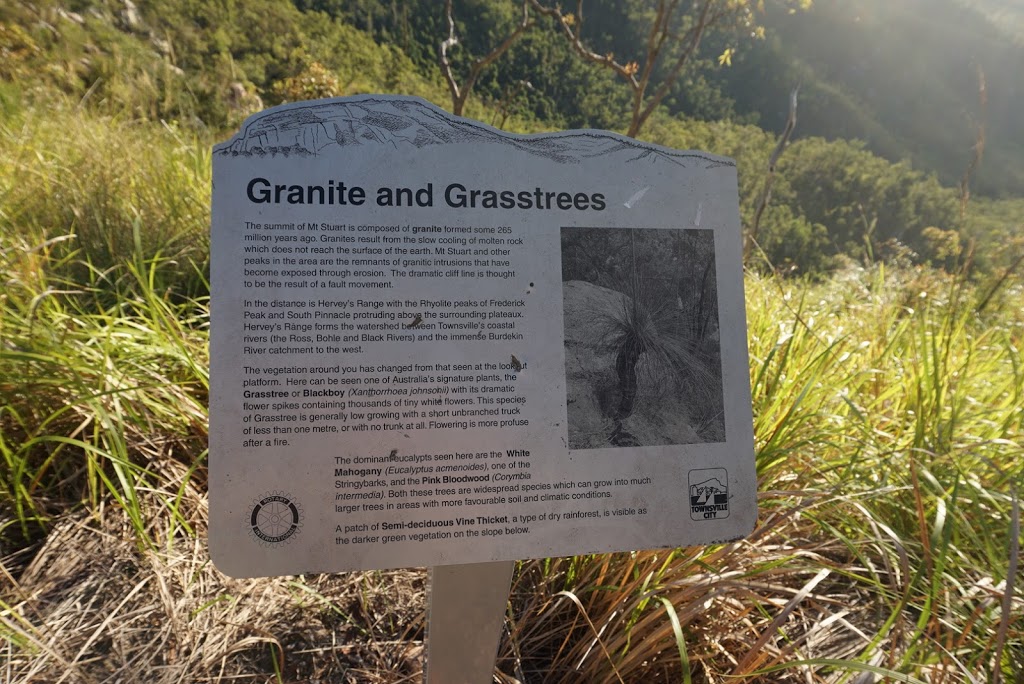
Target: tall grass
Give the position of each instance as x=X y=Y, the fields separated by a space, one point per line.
x=95 y=393
x=888 y=419
x=103 y=254
x=122 y=188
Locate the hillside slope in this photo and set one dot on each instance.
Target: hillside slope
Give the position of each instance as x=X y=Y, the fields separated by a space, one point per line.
x=902 y=76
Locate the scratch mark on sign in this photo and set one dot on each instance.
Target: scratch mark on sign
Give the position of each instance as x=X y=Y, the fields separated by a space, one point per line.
x=637 y=196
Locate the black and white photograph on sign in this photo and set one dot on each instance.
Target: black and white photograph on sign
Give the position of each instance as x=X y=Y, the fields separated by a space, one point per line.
x=643 y=361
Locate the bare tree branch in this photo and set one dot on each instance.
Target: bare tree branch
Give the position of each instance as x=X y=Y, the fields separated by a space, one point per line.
x=573 y=36
x=773 y=161
x=979 y=144
x=691 y=42
x=662 y=35
x=655 y=41
x=446 y=45
x=460 y=94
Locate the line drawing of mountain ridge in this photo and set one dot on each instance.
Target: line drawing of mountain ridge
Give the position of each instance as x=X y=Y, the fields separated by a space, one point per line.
x=705 y=490
x=318 y=127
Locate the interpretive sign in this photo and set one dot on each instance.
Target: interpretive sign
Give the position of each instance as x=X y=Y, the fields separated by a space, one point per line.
x=434 y=342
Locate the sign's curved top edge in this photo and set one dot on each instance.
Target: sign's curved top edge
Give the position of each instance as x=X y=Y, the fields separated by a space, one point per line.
x=316 y=127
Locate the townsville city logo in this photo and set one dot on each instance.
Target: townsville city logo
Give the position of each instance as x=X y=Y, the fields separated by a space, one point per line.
x=709 y=494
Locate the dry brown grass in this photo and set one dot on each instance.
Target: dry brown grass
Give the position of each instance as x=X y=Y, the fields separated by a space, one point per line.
x=95 y=606
x=773 y=599
x=92 y=606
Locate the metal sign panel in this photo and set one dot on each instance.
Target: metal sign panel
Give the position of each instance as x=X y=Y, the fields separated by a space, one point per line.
x=434 y=342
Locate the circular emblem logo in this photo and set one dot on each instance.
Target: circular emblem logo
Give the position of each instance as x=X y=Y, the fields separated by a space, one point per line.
x=275 y=518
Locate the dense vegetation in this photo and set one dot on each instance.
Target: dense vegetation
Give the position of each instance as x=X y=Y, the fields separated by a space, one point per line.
x=885 y=323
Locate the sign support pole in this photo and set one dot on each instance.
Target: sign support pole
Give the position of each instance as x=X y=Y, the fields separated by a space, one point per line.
x=467 y=610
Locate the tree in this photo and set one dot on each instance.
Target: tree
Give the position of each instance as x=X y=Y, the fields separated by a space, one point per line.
x=769 y=179
x=460 y=93
x=676 y=30
x=313 y=83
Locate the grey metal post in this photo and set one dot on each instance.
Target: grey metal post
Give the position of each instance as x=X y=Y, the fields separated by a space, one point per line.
x=467 y=610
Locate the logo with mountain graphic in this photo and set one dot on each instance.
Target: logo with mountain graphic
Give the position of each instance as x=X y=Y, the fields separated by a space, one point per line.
x=709 y=494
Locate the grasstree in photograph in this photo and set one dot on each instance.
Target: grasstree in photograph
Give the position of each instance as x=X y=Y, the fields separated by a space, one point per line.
x=652 y=305
x=634 y=333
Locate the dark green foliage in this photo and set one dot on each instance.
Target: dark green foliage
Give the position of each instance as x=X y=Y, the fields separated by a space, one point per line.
x=563 y=92
x=863 y=200
x=829 y=197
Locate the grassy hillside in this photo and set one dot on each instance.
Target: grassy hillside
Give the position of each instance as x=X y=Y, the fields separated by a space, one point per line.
x=902 y=76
